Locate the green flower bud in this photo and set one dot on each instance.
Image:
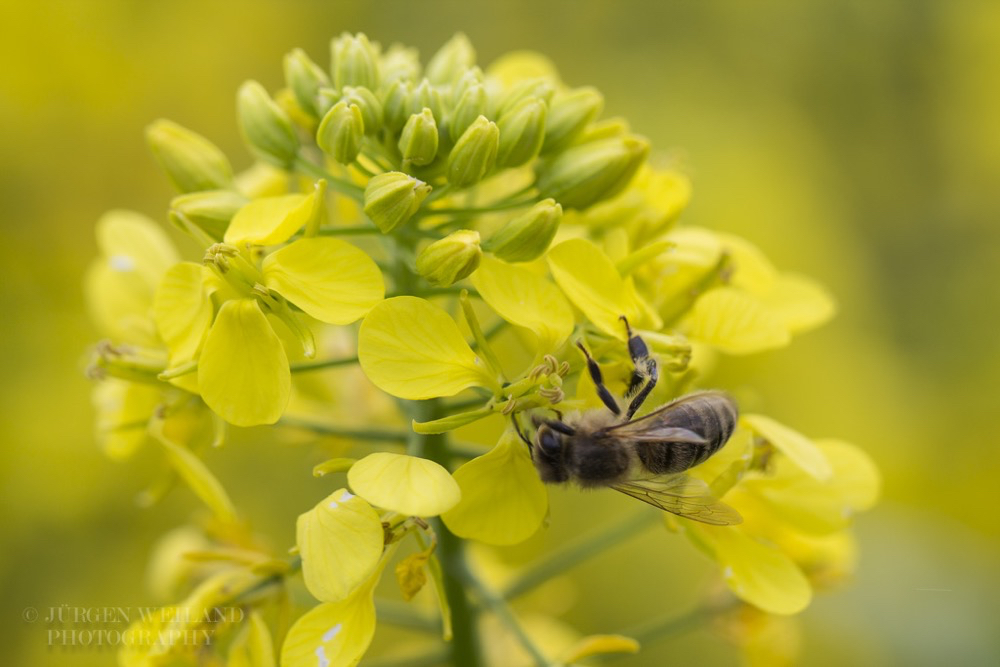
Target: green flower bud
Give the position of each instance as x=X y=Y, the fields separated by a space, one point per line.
x=474 y=153
x=540 y=88
x=426 y=96
x=210 y=210
x=454 y=257
x=527 y=236
x=469 y=108
x=304 y=79
x=451 y=61
x=371 y=108
x=191 y=161
x=392 y=198
x=569 y=115
x=341 y=132
x=418 y=143
x=588 y=173
x=400 y=64
x=471 y=78
x=605 y=129
x=396 y=105
x=522 y=130
x=355 y=61
x=265 y=125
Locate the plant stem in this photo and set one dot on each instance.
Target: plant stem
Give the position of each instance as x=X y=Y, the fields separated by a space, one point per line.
x=574 y=553
x=375 y=434
x=498 y=605
x=321 y=364
x=465 y=650
x=338 y=184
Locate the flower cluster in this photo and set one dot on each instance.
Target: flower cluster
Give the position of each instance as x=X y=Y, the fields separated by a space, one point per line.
x=400 y=195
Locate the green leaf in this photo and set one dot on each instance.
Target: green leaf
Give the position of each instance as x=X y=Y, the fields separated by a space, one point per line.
x=330 y=279
x=526 y=299
x=412 y=349
x=243 y=370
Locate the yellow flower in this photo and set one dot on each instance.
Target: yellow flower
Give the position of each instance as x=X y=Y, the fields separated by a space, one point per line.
x=408 y=485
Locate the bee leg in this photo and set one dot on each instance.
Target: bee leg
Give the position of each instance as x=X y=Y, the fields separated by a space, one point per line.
x=520 y=433
x=595 y=375
x=645 y=367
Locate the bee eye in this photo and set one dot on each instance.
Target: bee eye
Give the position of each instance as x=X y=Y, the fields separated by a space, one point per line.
x=549 y=443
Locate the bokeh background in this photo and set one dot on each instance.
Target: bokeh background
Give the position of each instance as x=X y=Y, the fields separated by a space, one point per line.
x=855 y=141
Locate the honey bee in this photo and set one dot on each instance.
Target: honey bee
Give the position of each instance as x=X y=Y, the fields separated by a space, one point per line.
x=644 y=458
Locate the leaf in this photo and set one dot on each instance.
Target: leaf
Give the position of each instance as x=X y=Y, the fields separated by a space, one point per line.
x=503 y=499
x=735 y=322
x=243 y=373
x=412 y=349
x=271 y=220
x=800 y=449
x=330 y=279
x=409 y=485
x=755 y=572
x=591 y=281
x=524 y=298
x=182 y=310
x=340 y=541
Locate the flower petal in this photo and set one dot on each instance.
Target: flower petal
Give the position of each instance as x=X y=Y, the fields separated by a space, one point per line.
x=131 y=242
x=330 y=279
x=755 y=572
x=243 y=371
x=524 y=298
x=182 y=310
x=503 y=499
x=800 y=449
x=589 y=278
x=855 y=474
x=412 y=349
x=123 y=410
x=799 y=302
x=409 y=485
x=270 y=220
x=735 y=322
x=340 y=541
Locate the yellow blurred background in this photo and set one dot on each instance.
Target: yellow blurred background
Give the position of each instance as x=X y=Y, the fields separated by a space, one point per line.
x=854 y=141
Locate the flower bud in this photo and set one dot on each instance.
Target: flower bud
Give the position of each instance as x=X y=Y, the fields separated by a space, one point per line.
x=471 y=106
x=522 y=130
x=426 y=96
x=341 y=132
x=396 y=105
x=209 y=210
x=569 y=114
x=451 y=61
x=588 y=173
x=400 y=64
x=265 y=126
x=418 y=143
x=304 y=79
x=539 y=87
x=471 y=78
x=371 y=108
x=454 y=257
x=474 y=153
x=392 y=198
x=354 y=62
x=527 y=236
x=191 y=161
x=605 y=129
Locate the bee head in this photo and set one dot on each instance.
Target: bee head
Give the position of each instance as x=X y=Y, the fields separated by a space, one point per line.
x=548 y=455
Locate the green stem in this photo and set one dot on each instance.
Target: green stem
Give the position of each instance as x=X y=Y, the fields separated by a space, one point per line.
x=672 y=625
x=371 y=434
x=304 y=366
x=498 y=605
x=465 y=650
x=429 y=659
x=474 y=210
x=338 y=184
x=560 y=561
x=349 y=231
x=403 y=615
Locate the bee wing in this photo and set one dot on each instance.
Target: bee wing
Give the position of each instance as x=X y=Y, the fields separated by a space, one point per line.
x=654 y=427
x=681 y=495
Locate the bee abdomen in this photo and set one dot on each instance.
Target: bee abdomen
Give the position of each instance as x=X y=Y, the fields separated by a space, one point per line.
x=662 y=458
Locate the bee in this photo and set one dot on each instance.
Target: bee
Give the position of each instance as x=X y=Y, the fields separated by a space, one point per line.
x=644 y=458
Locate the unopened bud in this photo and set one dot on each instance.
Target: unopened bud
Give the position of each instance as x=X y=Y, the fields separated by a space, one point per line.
x=451 y=61
x=454 y=257
x=605 y=129
x=396 y=105
x=569 y=114
x=354 y=61
x=522 y=130
x=418 y=142
x=305 y=79
x=426 y=96
x=588 y=173
x=341 y=132
x=527 y=236
x=191 y=161
x=472 y=77
x=392 y=198
x=400 y=64
x=474 y=153
x=265 y=125
x=540 y=87
x=367 y=102
x=471 y=106
x=210 y=210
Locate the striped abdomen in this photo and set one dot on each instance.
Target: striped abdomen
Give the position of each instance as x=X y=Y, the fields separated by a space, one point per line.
x=710 y=415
